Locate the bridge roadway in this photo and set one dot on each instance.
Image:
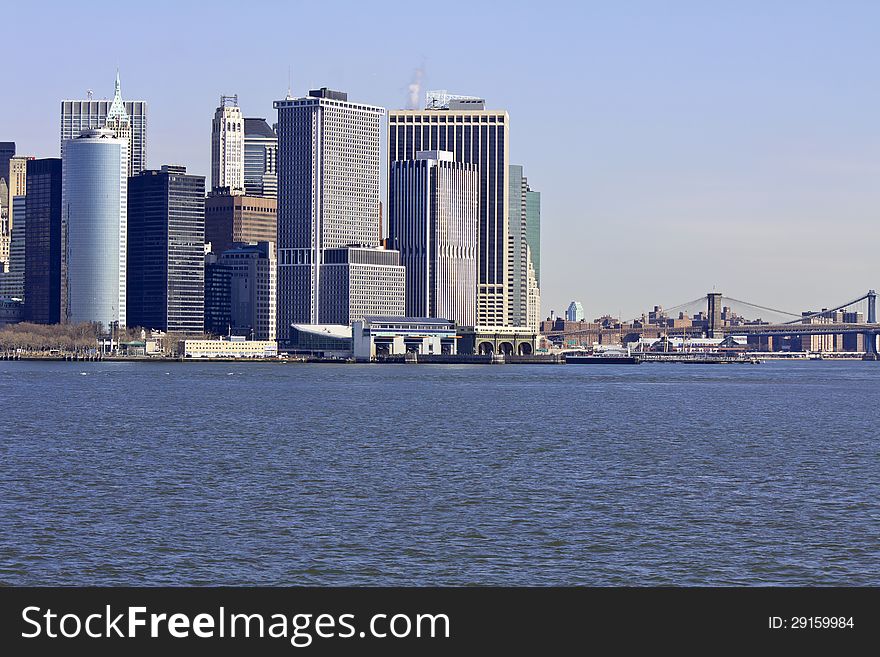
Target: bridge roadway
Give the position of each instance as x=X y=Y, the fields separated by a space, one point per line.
x=798 y=329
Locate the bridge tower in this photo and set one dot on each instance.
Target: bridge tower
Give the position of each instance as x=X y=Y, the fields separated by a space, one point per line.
x=713 y=313
x=872 y=307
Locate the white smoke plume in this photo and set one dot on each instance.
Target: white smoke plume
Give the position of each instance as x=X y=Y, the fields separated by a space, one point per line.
x=415 y=88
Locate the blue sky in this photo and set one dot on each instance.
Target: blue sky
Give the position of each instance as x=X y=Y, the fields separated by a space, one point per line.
x=678 y=146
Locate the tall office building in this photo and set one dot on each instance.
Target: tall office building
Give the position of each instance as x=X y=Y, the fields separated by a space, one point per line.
x=479 y=137
x=227 y=146
x=7 y=152
x=328 y=195
x=358 y=282
x=218 y=277
x=524 y=243
x=260 y=159
x=433 y=218
x=94 y=209
x=43 y=250
x=252 y=286
x=12 y=280
x=79 y=115
x=5 y=233
x=233 y=218
x=166 y=250
x=119 y=122
x=17 y=186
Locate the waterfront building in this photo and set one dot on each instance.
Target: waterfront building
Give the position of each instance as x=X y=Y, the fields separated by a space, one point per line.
x=575 y=312
x=252 y=284
x=377 y=336
x=94 y=206
x=166 y=258
x=227 y=146
x=501 y=340
x=359 y=281
x=233 y=347
x=260 y=159
x=479 y=137
x=320 y=340
x=11 y=311
x=328 y=198
x=235 y=218
x=129 y=117
x=433 y=219
x=218 y=277
x=43 y=244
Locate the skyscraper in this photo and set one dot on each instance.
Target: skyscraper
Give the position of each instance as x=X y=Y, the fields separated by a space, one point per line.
x=328 y=194
x=43 y=251
x=94 y=209
x=119 y=122
x=227 y=146
x=475 y=136
x=358 y=282
x=166 y=254
x=7 y=152
x=5 y=233
x=433 y=218
x=12 y=280
x=524 y=243
x=233 y=218
x=218 y=320
x=575 y=312
x=260 y=158
x=17 y=186
x=252 y=285
x=533 y=238
x=79 y=115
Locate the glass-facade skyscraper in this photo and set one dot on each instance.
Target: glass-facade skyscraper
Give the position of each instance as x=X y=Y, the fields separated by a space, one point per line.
x=94 y=211
x=433 y=218
x=166 y=254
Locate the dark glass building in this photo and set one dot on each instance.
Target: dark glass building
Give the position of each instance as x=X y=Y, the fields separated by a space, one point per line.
x=218 y=296
x=43 y=250
x=166 y=237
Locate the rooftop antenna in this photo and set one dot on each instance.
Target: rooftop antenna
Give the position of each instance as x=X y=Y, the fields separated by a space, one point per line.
x=89 y=93
x=289 y=94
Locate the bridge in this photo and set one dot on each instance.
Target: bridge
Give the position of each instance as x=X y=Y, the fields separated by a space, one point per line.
x=716 y=316
x=843 y=319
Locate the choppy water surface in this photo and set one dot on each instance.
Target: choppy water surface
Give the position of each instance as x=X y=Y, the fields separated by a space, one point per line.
x=130 y=473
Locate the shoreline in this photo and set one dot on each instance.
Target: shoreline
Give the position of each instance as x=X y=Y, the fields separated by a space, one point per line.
x=541 y=359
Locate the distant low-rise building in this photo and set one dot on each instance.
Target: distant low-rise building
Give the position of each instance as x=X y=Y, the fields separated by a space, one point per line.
x=234 y=347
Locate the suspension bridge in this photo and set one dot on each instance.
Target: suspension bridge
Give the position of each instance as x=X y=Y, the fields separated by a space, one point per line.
x=850 y=326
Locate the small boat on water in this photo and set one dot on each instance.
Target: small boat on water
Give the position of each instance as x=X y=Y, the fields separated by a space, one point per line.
x=603 y=359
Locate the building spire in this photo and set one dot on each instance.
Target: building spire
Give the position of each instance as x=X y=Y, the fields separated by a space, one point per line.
x=117 y=107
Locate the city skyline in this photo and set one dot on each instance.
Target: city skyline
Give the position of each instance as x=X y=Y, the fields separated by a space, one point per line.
x=696 y=149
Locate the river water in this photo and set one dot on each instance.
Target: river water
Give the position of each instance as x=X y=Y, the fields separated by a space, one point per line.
x=253 y=473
